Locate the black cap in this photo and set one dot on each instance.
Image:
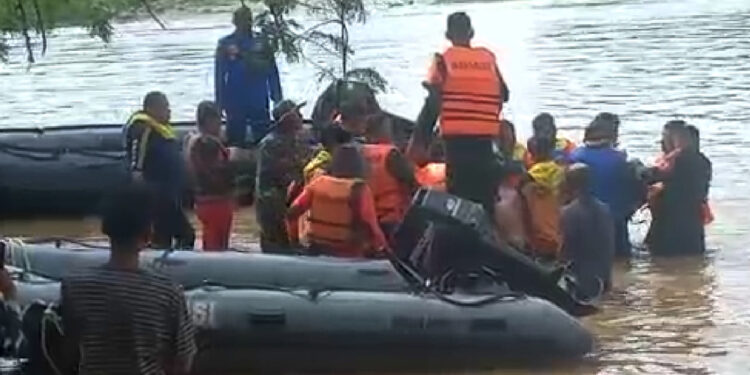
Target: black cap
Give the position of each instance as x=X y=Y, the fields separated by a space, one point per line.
x=284 y=108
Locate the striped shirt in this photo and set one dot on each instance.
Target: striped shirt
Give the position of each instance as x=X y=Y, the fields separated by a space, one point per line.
x=126 y=322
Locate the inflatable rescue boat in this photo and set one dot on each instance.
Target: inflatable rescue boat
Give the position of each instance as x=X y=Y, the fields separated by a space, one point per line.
x=277 y=329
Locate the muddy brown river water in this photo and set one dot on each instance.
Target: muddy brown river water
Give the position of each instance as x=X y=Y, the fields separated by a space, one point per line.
x=647 y=60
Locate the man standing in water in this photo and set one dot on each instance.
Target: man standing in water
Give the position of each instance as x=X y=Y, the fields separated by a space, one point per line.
x=245 y=74
x=154 y=157
x=472 y=92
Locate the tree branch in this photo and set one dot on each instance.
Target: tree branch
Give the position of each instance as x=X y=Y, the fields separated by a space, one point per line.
x=153 y=15
x=40 y=27
x=25 y=31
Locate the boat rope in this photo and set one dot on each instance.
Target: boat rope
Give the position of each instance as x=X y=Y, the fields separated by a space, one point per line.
x=58 y=241
x=50 y=316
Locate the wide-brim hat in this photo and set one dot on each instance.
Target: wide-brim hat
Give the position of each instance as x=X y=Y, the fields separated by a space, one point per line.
x=284 y=108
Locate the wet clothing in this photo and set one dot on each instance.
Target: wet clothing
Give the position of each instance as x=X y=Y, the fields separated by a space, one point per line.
x=245 y=76
x=343 y=221
x=210 y=166
x=677 y=214
x=126 y=322
x=153 y=150
x=216 y=215
x=281 y=159
x=472 y=91
x=391 y=180
x=614 y=183
x=471 y=170
x=589 y=244
x=541 y=209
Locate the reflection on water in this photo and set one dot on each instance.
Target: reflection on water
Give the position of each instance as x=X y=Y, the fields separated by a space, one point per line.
x=647 y=60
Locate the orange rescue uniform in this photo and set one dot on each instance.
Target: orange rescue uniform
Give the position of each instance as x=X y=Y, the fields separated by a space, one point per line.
x=391 y=197
x=340 y=221
x=432 y=176
x=472 y=97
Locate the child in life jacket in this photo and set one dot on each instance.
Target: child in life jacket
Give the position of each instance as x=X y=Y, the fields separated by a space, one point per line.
x=213 y=178
x=342 y=209
x=391 y=176
x=540 y=193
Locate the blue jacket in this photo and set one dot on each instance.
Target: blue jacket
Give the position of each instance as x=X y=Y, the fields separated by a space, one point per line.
x=238 y=86
x=611 y=179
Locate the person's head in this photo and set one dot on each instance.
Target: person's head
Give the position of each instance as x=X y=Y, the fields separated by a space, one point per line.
x=544 y=126
x=577 y=180
x=695 y=136
x=332 y=136
x=601 y=131
x=610 y=121
x=287 y=116
x=156 y=105
x=541 y=148
x=348 y=162
x=379 y=129
x=126 y=218
x=673 y=131
x=208 y=118
x=242 y=19
x=354 y=116
x=507 y=136
x=459 y=30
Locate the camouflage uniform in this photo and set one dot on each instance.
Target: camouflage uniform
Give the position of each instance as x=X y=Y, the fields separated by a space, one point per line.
x=281 y=159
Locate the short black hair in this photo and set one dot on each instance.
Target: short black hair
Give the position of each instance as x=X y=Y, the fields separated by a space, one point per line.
x=543 y=121
x=459 y=26
x=152 y=98
x=348 y=162
x=206 y=110
x=541 y=147
x=127 y=213
x=695 y=135
x=675 y=125
x=332 y=135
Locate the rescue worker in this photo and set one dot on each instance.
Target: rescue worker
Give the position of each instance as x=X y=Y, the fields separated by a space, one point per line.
x=589 y=237
x=342 y=209
x=391 y=176
x=541 y=198
x=611 y=178
x=282 y=155
x=214 y=178
x=153 y=154
x=544 y=127
x=466 y=84
x=677 y=226
x=245 y=75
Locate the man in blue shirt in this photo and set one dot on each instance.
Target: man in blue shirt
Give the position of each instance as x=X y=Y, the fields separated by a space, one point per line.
x=612 y=179
x=245 y=76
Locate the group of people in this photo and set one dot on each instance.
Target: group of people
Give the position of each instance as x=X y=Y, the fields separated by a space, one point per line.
x=345 y=195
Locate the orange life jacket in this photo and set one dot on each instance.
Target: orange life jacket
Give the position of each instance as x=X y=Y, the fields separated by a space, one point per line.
x=471 y=98
x=542 y=220
x=391 y=199
x=432 y=176
x=331 y=217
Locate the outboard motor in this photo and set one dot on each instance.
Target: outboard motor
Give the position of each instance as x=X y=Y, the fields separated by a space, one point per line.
x=442 y=233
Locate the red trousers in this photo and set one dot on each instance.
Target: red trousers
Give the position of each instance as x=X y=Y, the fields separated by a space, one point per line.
x=215 y=214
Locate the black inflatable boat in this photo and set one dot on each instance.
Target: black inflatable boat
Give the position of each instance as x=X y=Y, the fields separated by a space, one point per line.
x=301 y=330
x=253 y=269
x=63 y=169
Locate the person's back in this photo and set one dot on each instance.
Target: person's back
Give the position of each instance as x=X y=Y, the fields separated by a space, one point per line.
x=509 y=211
x=118 y=318
x=127 y=320
x=589 y=243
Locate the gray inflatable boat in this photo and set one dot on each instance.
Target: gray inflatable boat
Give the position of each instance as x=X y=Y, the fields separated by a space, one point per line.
x=278 y=329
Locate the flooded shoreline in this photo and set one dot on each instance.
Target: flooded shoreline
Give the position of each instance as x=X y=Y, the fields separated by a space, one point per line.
x=648 y=61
